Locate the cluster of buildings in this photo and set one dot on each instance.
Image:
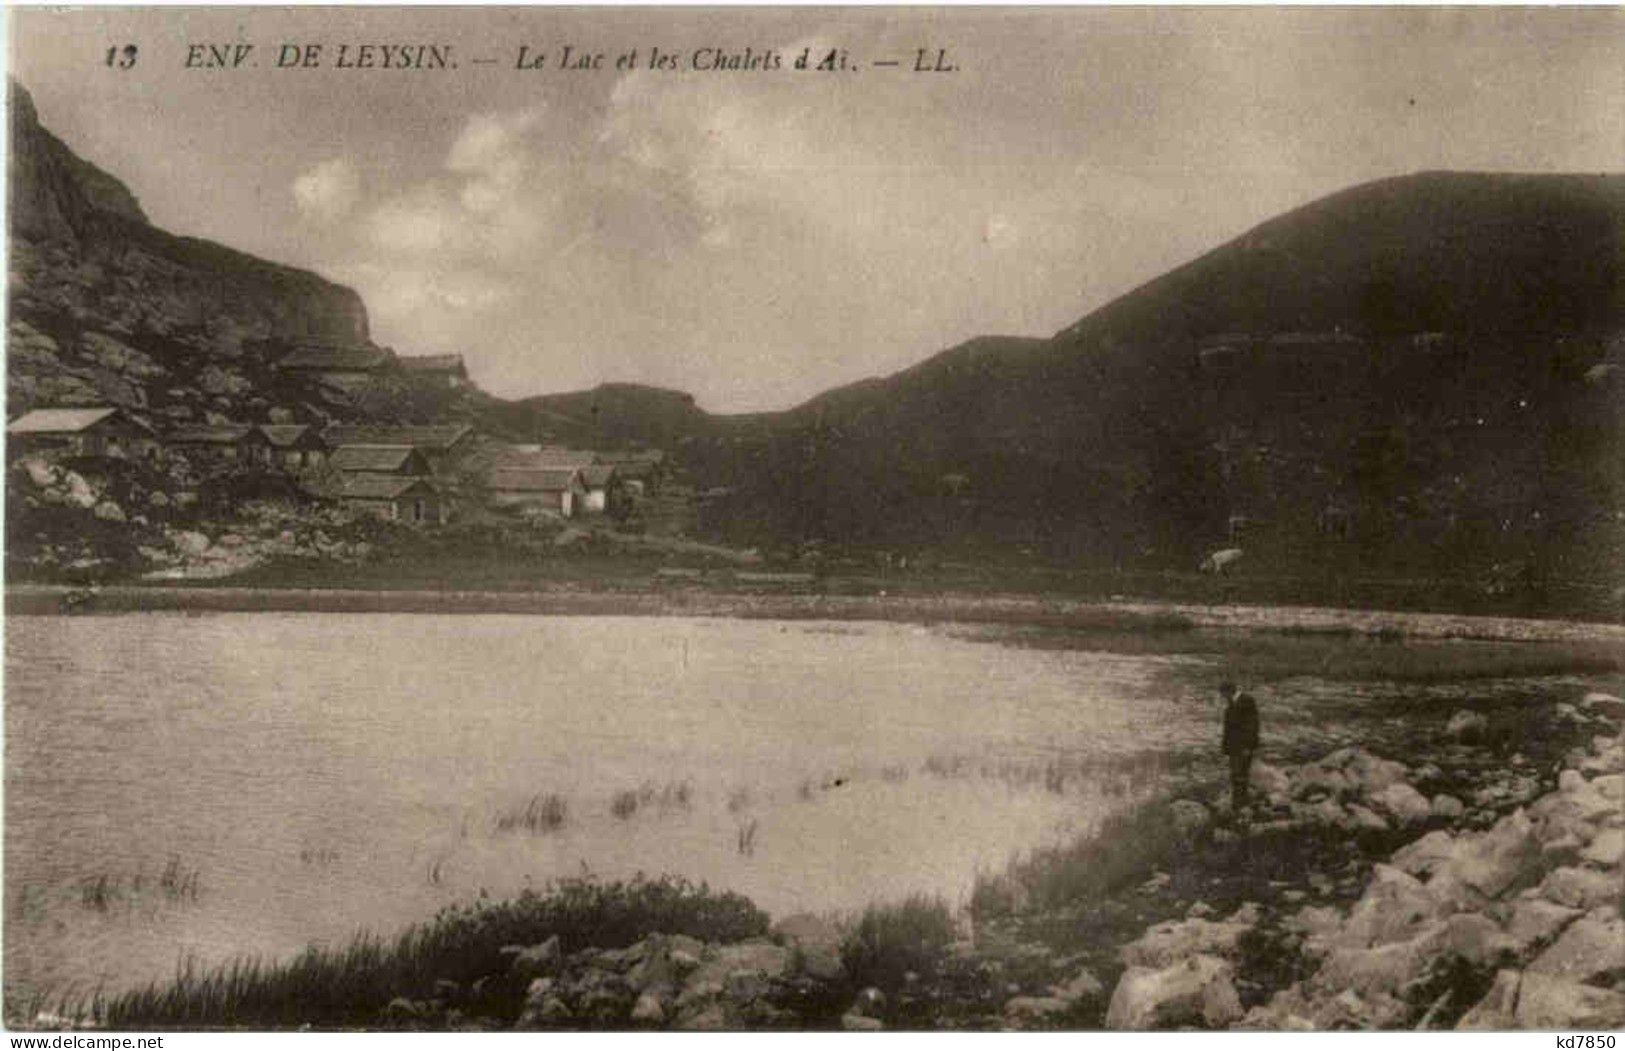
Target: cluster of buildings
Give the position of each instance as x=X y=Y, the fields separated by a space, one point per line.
x=395 y=472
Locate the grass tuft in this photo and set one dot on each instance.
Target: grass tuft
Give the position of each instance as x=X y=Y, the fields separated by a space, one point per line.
x=891 y=941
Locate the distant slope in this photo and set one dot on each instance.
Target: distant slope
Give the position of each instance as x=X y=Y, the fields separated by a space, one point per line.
x=611 y=415
x=1402 y=376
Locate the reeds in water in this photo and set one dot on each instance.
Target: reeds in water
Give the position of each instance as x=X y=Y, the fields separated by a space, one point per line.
x=542 y=813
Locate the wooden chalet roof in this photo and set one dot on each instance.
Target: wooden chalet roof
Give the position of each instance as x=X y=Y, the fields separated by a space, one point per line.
x=391 y=459
x=533 y=480
x=435 y=438
x=367 y=486
x=218 y=434
x=66 y=421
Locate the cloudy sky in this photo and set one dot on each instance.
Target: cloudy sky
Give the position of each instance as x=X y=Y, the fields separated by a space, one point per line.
x=754 y=237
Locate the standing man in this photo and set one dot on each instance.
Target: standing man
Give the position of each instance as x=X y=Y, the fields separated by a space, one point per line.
x=1240 y=740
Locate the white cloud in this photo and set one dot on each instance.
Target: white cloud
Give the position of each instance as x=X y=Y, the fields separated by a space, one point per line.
x=329 y=190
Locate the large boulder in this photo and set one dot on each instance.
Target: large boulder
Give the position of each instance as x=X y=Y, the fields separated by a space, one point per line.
x=1580 y=888
x=1197 y=991
x=1502 y=858
x=1447 y=807
x=108 y=511
x=1373 y=774
x=735 y=971
x=1404 y=802
x=1603 y=704
x=533 y=961
x=1394 y=908
x=1550 y=1002
x=1421 y=857
x=1535 y=920
x=1174 y=940
x=188 y=542
x=1384 y=970
x=1607 y=849
x=1590 y=948
x=80 y=493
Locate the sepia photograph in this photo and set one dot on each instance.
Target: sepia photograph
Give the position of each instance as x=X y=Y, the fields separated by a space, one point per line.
x=656 y=519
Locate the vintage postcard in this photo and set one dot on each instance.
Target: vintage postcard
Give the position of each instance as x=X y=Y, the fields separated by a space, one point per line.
x=834 y=519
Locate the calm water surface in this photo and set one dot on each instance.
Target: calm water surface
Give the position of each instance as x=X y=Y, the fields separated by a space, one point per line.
x=302 y=776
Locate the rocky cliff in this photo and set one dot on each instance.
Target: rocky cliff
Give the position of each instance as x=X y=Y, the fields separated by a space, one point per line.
x=84 y=258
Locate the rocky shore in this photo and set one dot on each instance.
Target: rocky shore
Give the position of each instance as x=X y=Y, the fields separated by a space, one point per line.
x=1500 y=909
x=1493 y=922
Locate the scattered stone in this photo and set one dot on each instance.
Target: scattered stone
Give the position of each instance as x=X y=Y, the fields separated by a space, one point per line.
x=1467 y=726
x=188 y=542
x=1603 y=704
x=1034 y=1008
x=853 y=1023
x=108 y=511
x=1362 y=819
x=534 y=960
x=1447 y=807
x=1081 y=986
x=648 y=1010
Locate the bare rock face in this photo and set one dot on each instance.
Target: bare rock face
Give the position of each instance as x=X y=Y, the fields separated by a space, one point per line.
x=84 y=248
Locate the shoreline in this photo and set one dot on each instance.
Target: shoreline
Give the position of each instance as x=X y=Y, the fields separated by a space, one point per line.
x=943 y=607
x=1429 y=918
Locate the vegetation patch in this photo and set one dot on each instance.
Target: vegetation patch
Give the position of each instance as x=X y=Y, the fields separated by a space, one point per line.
x=350 y=986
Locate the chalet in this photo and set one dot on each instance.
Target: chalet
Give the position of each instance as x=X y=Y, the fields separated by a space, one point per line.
x=229 y=443
x=295 y=446
x=438 y=444
x=400 y=460
x=598 y=480
x=638 y=470
x=556 y=489
x=395 y=498
x=104 y=431
x=348 y=367
x=440 y=369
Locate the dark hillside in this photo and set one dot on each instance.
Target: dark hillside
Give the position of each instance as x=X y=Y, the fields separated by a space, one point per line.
x=1400 y=378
